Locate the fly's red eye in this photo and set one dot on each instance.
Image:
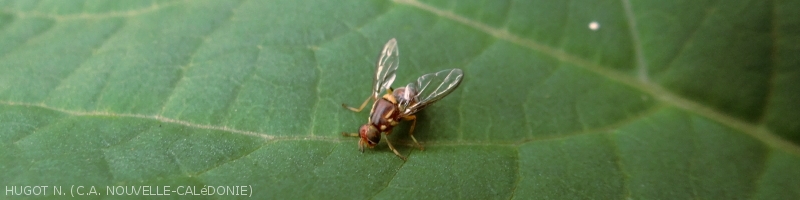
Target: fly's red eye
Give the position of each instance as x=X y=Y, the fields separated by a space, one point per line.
x=363 y=131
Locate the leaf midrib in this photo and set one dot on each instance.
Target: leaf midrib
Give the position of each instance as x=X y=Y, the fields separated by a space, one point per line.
x=273 y=138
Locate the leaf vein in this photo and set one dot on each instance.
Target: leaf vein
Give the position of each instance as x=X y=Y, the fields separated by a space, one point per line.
x=38 y=128
x=602 y=129
x=184 y=68
x=177 y=160
x=80 y=65
x=620 y=167
x=563 y=30
x=641 y=65
x=693 y=159
x=88 y=16
x=317 y=89
x=773 y=65
x=388 y=183
x=462 y=98
x=518 y=176
x=356 y=29
x=231 y=160
x=527 y=98
x=507 y=14
x=758 y=181
x=688 y=41
x=237 y=92
x=27 y=41
x=141 y=116
x=328 y=155
x=128 y=139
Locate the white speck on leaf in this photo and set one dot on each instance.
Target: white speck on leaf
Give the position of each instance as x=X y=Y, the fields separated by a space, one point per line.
x=594 y=25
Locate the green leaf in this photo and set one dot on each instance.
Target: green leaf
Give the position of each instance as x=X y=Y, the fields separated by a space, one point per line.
x=665 y=100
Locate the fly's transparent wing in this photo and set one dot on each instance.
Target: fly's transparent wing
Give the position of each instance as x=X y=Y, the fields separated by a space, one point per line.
x=427 y=89
x=388 y=61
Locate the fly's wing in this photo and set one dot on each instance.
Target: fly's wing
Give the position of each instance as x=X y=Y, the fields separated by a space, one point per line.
x=429 y=88
x=388 y=61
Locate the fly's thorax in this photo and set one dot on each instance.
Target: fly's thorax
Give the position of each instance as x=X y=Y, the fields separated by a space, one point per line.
x=385 y=115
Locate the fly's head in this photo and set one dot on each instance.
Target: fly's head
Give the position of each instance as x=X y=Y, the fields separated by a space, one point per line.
x=370 y=136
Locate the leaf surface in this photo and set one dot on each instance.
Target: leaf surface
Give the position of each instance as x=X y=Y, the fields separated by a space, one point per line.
x=694 y=99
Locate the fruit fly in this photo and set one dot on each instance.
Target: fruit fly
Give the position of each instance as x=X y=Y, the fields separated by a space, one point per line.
x=401 y=103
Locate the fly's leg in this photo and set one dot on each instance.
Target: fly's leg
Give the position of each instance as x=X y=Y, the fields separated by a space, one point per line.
x=411 y=132
x=360 y=107
x=392 y=147
x=350 y=134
